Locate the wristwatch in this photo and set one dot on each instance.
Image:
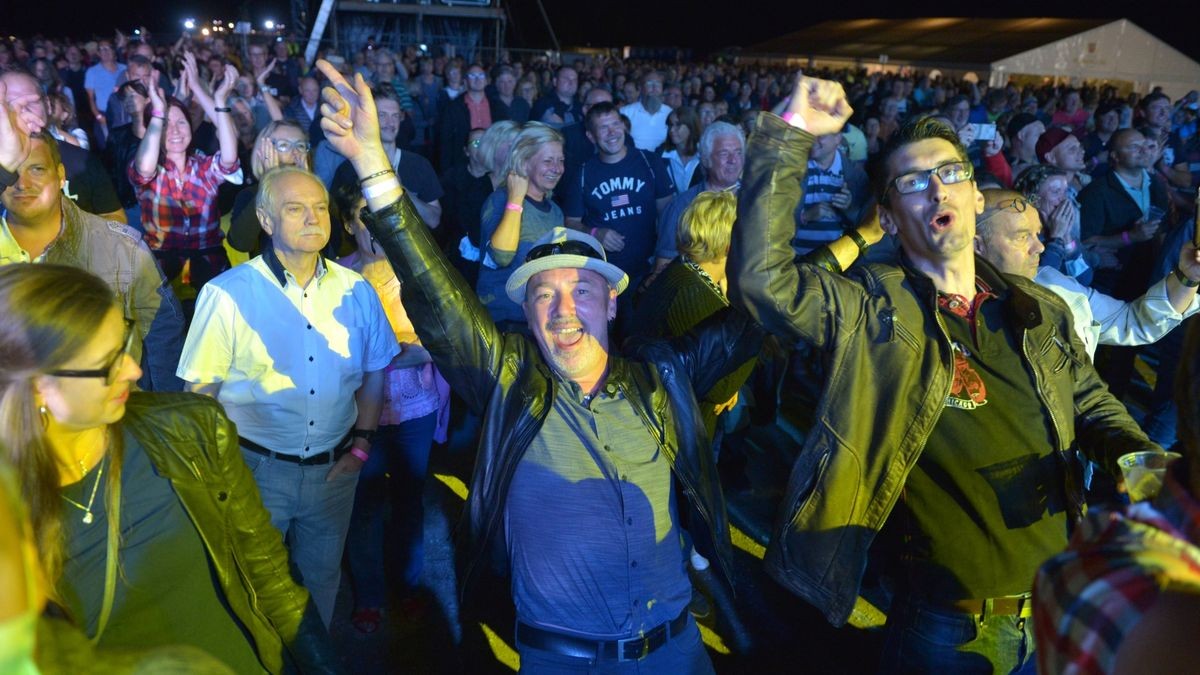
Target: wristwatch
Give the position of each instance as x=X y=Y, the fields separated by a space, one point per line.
x=1183 y=278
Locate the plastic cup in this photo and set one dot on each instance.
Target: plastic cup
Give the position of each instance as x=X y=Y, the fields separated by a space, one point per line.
x=1143 y=472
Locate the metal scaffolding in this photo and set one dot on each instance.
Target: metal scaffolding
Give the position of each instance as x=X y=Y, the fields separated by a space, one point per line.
x=470 y=29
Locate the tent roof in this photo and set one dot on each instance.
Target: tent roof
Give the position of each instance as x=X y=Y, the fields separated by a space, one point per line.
x=932 y=40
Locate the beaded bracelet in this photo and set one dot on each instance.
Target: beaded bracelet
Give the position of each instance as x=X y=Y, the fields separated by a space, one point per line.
x=377 y=174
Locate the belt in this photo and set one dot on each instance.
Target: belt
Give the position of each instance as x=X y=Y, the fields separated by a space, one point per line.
x=629 y=649
x=320 y=458
x=1015 y=605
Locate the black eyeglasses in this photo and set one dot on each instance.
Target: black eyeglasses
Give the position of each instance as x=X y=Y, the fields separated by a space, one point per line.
x=1016 y=205
x=568 y=247
x=954 y=171
x=108 y=371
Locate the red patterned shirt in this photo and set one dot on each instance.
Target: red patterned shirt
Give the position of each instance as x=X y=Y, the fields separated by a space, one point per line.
x=1087 y=599
x=179 y=207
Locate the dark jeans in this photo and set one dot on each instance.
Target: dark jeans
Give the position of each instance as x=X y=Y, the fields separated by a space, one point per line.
x=206 y=263
x=394 y=473
x=924 y=639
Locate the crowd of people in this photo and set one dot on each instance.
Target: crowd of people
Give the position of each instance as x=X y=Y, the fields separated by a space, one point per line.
x=601 y=263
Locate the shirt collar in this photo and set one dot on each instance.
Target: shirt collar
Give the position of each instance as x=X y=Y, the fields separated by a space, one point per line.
x=10 y=248
x=280 y=272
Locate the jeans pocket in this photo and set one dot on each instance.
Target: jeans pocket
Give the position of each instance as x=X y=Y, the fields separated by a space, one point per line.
x=942 y=629
x=254 y=461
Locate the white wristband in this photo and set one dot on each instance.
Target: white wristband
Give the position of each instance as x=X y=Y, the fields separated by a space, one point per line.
x=381 y=188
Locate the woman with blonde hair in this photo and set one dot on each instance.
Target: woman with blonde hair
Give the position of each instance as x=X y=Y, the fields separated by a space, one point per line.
x=148 y=525
x=516 y=215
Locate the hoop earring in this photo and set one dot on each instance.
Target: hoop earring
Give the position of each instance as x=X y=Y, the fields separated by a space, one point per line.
x=45 y=415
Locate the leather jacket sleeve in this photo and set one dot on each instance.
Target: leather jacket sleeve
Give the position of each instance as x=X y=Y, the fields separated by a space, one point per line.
x=446 y=313
x=716 y=347
x=264 y=560
x=799 y=302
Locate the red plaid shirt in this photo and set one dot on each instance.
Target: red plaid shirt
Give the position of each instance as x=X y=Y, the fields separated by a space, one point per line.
x=1089 y=598
x=179 y=208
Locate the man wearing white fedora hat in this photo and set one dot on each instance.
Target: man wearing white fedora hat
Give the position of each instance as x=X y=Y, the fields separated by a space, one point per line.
x=574 y=494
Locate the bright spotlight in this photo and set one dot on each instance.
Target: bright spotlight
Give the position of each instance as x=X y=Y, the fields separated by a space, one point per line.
x=189 y=23
x=269 y=24
x=204 y=31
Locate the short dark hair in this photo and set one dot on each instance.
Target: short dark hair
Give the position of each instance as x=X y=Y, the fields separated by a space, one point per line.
x=595 y=112
x=1151 y=98
x=913 y=131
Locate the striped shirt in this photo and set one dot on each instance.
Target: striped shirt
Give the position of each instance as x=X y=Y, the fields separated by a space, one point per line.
x=820 y=187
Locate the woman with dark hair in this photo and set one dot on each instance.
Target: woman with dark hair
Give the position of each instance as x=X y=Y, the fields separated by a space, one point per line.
x=1046 y=187
x=680 y=150
x=415 y=413
x=152 y=485
x=177 y=185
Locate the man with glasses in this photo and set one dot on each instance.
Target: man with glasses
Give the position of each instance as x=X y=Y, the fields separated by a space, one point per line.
x=943 y=444
x=475 y=109
x=1007 y=236
x=648 y=115
x=574 y=494
x=40 y=224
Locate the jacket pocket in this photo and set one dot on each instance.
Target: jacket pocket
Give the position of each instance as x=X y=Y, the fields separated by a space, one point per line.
x=824 y=513
x=892 y=329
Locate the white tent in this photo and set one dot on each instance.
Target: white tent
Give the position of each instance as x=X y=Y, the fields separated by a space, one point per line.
x=1115 y=51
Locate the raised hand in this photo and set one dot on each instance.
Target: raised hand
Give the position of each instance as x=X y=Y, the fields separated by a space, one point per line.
x=14 y=134
x=226 y=86
x=349 y=118
x=518 y=187
x=1189 y=261
x=266 y=72
x=821 y=104
x=158 y=100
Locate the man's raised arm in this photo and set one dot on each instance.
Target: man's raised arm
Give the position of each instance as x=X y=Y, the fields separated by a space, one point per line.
x=764 y=278
x=447 y=315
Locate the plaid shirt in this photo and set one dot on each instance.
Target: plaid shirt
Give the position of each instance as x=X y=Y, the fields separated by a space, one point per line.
x=1087 y=599
x=179 y=208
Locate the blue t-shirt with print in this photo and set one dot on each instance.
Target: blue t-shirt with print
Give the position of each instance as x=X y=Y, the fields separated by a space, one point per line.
x=622 y=197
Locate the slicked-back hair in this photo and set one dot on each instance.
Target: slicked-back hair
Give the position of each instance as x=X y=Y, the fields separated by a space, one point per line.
x=914 y=131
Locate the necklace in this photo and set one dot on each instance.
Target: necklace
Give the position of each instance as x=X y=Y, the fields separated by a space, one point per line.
x=87 y=510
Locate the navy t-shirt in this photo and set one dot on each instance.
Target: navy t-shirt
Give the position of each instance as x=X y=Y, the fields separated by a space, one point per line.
x=622 y=197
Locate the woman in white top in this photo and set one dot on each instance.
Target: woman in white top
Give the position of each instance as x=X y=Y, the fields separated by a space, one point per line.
x=680 y=150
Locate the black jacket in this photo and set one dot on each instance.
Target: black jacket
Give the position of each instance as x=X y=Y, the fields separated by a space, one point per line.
x=504 y=377
x=454 y=127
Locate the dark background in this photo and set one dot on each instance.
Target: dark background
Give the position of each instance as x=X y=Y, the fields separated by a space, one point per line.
x=703 y=25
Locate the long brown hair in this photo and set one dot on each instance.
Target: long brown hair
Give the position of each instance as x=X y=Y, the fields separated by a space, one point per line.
x=50 y=313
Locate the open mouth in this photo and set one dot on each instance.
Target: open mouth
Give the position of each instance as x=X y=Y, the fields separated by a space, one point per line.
x=568 y=337
x=942 y=221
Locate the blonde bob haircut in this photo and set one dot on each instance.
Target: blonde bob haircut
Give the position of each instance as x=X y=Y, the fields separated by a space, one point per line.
x=706 y=227
x=527 y=144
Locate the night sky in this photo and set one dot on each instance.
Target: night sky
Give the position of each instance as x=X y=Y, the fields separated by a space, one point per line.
x=685 y=23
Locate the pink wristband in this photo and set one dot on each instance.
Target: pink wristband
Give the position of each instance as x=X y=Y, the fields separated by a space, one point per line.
x=513 y=207
x=794 y=120
x=1126 y=238
x=361 y=454
x=593 y=232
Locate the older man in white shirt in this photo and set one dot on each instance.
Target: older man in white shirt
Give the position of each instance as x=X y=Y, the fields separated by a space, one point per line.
x=295 y=348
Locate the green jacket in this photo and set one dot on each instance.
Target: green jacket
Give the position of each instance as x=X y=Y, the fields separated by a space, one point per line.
x=193 y=444
x=890 y=367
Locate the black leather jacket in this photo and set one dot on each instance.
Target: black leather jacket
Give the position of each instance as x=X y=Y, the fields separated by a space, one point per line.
x=194 y=445
x=890 y=367
x=504 y=377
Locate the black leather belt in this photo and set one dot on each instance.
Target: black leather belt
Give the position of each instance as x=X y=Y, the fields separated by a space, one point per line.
x=1015 y=605
x=320 y=458
x=629 y=649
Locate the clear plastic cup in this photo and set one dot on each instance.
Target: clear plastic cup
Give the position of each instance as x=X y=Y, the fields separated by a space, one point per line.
x=1143 y=472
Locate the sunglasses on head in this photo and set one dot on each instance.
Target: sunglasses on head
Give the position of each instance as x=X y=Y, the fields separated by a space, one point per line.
x=568 y=247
